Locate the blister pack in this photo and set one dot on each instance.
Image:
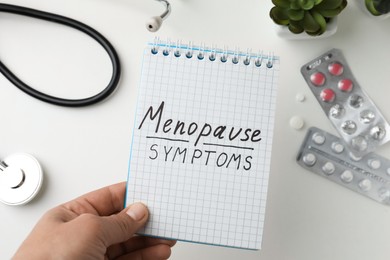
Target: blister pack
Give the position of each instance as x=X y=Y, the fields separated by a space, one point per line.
x=355 y=116
x=326 y=155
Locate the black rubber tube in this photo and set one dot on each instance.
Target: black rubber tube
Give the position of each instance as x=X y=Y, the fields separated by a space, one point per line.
x=76 y=25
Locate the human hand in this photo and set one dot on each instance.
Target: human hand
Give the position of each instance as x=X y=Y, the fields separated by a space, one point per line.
x=94 y=226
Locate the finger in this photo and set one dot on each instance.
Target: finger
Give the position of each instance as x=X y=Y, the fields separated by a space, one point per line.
x=121 y=227
x=103 y=202
x=158 y=252
x=140 y=242
x=136 y=243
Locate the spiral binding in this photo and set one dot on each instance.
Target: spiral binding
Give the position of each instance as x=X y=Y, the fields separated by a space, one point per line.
x=213 y=54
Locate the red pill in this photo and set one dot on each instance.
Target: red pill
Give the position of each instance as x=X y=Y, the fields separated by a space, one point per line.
x=327 y=95
x=336 y=69
x=345 y=85
x=317 y=79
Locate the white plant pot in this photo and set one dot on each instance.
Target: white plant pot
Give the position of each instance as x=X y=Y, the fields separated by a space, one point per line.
x=284 y=32
x=362 y=5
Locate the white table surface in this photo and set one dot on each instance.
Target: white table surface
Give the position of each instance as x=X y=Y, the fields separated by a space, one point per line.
x=82 y=149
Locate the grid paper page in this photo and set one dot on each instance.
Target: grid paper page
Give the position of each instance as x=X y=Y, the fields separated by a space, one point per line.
x=201 y=148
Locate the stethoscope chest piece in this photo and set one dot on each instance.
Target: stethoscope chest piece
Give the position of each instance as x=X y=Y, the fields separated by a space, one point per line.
x=20 y=179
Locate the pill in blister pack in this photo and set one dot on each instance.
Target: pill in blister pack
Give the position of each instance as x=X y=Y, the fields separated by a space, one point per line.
x=351 y=111
x=326 y=155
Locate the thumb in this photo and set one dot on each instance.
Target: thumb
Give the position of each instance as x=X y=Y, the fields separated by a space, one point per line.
x=121 y=227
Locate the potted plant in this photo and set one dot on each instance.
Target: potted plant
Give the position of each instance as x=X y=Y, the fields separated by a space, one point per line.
x=307 y=17
x=378 y=7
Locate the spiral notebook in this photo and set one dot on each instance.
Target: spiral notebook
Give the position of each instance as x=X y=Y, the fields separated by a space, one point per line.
x=201 y=149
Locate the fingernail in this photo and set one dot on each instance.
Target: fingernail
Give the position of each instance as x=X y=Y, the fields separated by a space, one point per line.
x=137 y=211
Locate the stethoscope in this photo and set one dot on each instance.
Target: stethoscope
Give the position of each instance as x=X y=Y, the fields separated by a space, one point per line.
x=154 y=23
x=21 y=174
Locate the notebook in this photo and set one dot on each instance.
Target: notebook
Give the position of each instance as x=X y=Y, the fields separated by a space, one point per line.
x=201 y=148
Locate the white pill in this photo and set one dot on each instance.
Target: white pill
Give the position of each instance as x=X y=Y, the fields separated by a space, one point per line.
x=309 y=159
x=384 y=194
x=300 y=97
x=365 y=185
x=374 y=164
x=297 y=122
x=337 y=147
x=328 y=168
x=318 y=138
x=354 y=157
x=346 y=176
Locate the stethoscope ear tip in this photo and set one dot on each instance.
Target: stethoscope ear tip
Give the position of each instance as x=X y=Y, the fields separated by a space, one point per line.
x=154 y=23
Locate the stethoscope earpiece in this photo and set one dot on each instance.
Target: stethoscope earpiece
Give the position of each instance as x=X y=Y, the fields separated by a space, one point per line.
x=20 y=179
x=154 y=23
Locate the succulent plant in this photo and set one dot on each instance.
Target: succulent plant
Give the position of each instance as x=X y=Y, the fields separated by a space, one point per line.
x=378 y=7
x=310 y=16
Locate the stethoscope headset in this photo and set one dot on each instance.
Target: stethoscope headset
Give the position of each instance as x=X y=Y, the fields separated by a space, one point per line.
x=21 y=174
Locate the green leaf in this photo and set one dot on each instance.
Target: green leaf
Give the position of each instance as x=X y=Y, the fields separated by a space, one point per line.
x=295 y=27
x=371 y=7
x=382 y=6
x=281 y=3
x=320 y=20
x=330 y=4
x=295 y=6
x=316 y=33
x=295 y=15
x=329 y=13
x=306 y=4
x=309 y=24
x=279 y=15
